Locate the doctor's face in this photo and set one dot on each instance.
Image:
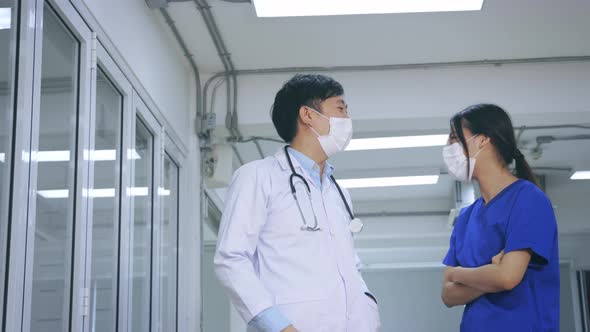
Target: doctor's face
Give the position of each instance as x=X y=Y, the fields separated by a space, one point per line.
x=334 y=107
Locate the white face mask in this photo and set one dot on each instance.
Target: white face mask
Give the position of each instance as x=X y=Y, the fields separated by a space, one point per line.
x=339 y=136
x=456 y=161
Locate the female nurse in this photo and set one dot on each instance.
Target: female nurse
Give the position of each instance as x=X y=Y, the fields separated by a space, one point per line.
x=503 y=261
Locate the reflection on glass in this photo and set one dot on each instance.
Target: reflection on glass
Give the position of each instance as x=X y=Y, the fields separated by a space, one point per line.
x=105 y=213
x=50 y=307
x=168 y=247
x=7 y=60
x=141 y=233
x=587 y=295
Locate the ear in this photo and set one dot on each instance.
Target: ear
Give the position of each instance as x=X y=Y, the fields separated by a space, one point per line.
x=484 y=141
x=305 y=115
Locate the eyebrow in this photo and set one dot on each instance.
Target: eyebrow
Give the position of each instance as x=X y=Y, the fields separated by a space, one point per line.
x=340 y=101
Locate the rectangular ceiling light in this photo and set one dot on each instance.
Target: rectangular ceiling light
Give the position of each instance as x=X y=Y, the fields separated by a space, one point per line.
x=109 y=155
x=52 y=156
x=389 y=181
x=138 y=191
x=95 y=155
x=163 y=192
x=581 y=175
x=134 y=191
x=102 y=193
x=397 y=142
x=2 y=157
x=58 y=193
x=5 y=18
x=285 y=8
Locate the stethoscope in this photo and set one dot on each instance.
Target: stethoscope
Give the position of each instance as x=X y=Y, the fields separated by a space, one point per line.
x=355 y=225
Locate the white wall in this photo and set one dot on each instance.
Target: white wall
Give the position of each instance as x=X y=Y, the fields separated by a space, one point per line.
x=143 y=39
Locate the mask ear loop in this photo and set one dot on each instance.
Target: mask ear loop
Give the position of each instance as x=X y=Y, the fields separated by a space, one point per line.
x=474 y=158
x=315 y=132
x=320 y=114
x=480 y=150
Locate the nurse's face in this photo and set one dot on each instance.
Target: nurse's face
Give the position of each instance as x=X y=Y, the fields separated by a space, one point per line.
x=474 y=144
x=334 y=107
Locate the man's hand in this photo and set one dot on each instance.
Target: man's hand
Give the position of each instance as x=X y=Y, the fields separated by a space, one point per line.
x=498 y=258
x=290 y=328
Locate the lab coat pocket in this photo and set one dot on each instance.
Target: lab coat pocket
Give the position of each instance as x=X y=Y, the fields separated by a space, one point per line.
x=306 y=316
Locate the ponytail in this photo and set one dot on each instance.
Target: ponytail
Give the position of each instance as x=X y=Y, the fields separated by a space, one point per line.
x=523 y=169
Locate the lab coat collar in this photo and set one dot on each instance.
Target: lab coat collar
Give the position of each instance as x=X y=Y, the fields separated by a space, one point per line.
x=284 y=164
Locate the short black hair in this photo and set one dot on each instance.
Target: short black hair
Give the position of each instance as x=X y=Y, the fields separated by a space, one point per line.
x=301 y=90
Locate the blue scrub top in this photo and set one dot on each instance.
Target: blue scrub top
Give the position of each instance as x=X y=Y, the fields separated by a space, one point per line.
x=520 y=217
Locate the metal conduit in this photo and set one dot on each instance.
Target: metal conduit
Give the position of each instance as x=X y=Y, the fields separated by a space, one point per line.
x=190 y=59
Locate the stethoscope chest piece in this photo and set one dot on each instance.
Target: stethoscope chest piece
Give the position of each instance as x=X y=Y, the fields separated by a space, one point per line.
x=355 y=226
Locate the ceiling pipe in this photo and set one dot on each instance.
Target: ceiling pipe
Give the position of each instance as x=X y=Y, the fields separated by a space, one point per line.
x=498 y=62
x=427 y=65
x=191 y=61
x=550 y=139
x=225 y=57
x=231 y=120
x=537 y=151
x=564 y=126
x=522 y=129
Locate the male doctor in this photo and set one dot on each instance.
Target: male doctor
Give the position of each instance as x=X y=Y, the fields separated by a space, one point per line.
x=285 y=251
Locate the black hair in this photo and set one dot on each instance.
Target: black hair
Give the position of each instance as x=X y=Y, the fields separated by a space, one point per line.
x=301 y=90
x=493 y=122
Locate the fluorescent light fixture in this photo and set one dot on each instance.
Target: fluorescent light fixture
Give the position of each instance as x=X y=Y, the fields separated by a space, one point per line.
x=58 y=193
x=102 y=193
x=163 y=192
x=5 y=18
x=52 y=156
x=95 y=155
x=133 y=191
x=283 y=8
x=581 y=175
x=109 y=155
x=138 y=191
x=397 y=142
x=389 y=181
x=2 y=157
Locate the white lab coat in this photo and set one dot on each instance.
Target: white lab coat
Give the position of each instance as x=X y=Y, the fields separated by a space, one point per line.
x=264 y=259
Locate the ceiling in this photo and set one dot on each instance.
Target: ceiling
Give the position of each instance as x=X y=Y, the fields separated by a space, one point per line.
x=504 y=29
x=413 y=102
